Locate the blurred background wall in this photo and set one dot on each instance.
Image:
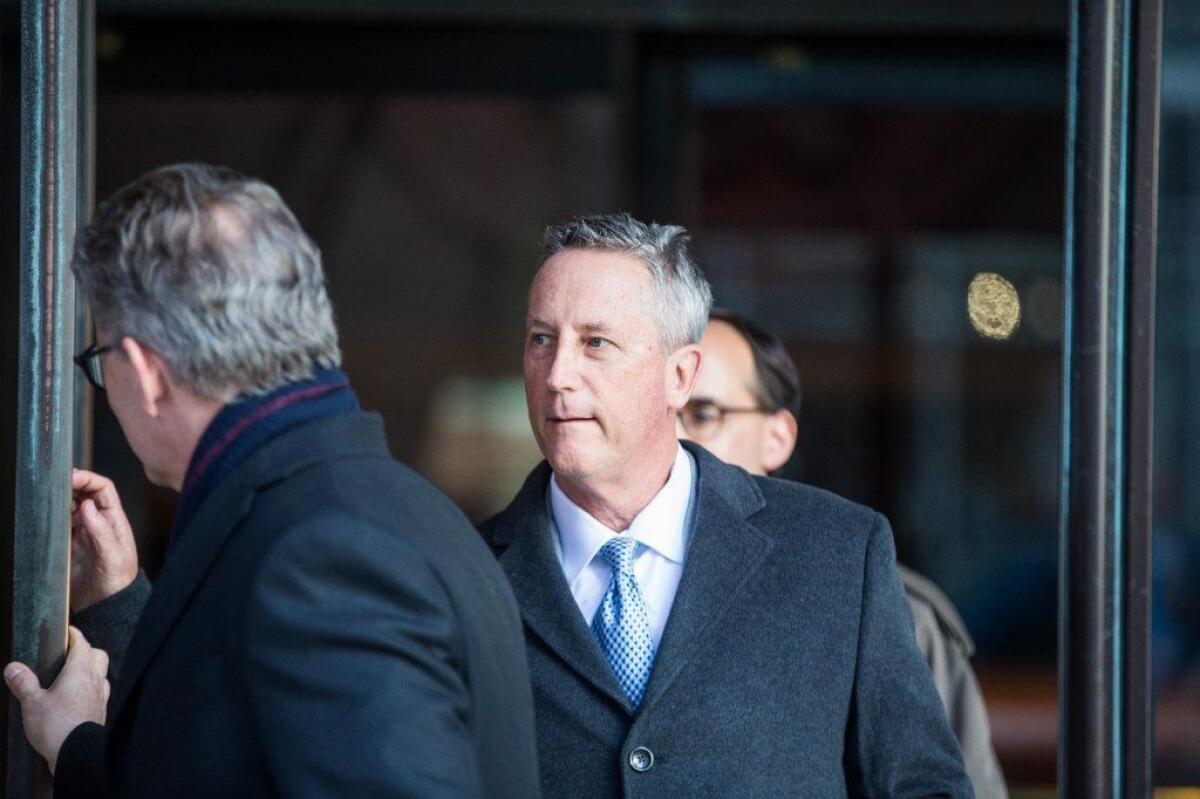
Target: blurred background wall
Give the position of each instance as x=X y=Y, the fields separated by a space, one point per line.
x=847 y=171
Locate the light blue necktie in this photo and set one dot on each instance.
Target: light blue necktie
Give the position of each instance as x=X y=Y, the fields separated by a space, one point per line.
x=621 y=623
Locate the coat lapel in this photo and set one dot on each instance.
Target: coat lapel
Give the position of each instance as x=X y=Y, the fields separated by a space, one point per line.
x=183 y=572
x=724 y=552
x=535 y=573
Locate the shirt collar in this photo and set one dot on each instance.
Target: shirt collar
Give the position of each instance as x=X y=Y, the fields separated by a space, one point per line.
x=661 y=525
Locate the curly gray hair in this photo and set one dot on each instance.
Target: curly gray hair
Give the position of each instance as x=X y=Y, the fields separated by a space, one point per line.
x=209 y=269
x=682 y=297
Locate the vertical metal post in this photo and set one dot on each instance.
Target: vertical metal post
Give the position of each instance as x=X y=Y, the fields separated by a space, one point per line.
x=85 y=200
x=45 y=385
x=10 y=168
x=1104 y=696
x=1142 y=211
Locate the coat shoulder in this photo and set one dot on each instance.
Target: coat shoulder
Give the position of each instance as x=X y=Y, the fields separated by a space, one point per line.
x=365 y=502
x=789 y=505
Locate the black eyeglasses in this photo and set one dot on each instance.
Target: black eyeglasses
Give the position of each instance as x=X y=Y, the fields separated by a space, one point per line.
x=89 y=362
x=702 y=419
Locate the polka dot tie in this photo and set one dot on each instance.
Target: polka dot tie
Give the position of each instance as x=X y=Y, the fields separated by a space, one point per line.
x=621 y=623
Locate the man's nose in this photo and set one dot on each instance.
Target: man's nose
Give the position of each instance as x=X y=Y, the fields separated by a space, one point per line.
x=564 y=369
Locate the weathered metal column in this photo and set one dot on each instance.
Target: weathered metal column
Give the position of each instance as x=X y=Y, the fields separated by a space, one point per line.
x=85 y=194
x=1105 y=696
x=45 y=386
x=10 y=169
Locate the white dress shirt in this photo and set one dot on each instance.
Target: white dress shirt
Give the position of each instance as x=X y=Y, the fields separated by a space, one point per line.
x=663 y=526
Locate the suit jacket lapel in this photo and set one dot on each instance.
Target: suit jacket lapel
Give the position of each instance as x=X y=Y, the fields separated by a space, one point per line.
x=533 y=568
x=724 y=552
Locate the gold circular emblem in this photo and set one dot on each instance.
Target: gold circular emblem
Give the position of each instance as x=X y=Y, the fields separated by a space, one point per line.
x=993 y=305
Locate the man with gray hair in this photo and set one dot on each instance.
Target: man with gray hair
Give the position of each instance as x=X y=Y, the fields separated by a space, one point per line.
x=326 y=623
x=692 y=629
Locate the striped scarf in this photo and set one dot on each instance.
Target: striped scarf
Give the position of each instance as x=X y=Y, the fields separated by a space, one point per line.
x=246 y=424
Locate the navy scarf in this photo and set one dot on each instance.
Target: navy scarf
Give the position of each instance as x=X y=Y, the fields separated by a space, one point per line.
x=247 y=423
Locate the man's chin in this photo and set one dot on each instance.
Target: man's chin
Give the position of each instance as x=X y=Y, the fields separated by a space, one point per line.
x=568 y=462
x=158 y=477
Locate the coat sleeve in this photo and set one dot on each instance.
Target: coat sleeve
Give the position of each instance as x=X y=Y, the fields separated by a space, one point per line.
x=81 y=770
x=899 y=742
x=109 y=624
x=950 y=664
x=354 y=669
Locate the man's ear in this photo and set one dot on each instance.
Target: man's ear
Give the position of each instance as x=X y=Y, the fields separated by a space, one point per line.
x=150 y=375
x=682 y=368
x=779 y=439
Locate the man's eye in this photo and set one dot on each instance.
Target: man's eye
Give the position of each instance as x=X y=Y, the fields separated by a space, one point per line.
x=595 y=342
x=539 y=339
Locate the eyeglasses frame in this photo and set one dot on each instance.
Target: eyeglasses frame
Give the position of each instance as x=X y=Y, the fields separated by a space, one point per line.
x=723 y=410
x=89 y=362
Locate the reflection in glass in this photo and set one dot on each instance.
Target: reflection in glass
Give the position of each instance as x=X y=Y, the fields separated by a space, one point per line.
x=1176 y=600
x=993 y=306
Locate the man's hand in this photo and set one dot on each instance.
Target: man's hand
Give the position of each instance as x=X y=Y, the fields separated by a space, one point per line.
x=79 y=694
x=103 y=552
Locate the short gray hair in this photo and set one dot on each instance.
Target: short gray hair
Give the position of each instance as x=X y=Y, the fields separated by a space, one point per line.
x=682 y=297
x=209 y=269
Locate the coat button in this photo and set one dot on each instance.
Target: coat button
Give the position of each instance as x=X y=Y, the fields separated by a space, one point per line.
x=641 y=759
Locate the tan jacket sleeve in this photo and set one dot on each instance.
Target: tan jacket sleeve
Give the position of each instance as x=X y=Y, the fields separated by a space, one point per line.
x=943 y=640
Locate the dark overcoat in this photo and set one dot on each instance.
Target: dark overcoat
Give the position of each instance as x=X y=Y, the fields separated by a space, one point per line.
x=328 y=624
x=787 y=666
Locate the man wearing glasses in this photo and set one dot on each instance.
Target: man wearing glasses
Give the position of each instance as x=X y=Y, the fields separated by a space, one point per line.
x=744 y=410
x=326 y=623
x=693 y=630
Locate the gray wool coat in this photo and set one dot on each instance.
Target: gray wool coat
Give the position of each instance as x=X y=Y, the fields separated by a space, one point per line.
x=788 y=665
